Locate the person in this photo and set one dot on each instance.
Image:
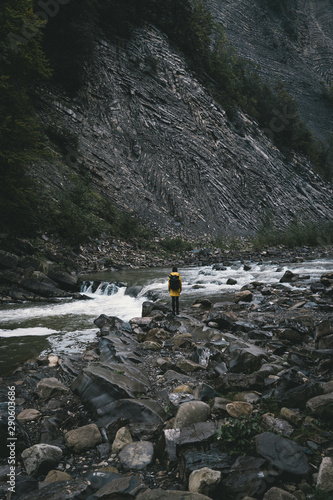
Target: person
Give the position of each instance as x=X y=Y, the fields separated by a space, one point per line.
x=175 y=288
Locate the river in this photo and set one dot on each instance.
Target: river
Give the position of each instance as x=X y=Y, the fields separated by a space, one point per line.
x=67 y=326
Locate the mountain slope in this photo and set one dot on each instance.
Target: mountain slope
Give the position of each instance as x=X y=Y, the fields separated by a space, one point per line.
x=292 y=41
x=155 y=142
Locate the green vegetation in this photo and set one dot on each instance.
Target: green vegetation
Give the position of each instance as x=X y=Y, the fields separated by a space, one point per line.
x=235 y=436
x=22 y=62
x=176 y=245
x=80 y=213
x=299 y=233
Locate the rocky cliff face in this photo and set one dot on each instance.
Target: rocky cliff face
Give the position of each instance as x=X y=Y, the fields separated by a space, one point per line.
x=293 y=44
x=155 y=142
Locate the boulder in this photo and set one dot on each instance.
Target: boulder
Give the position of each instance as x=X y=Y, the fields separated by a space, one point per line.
x=288 y=277
x=321 y=406
x=66 y=281
x=54 y=476
x=190 y=413
x=199 y=434
x=247 y=476
x=40 y=458
x=194 y=459
x=137 y=455
x=283 y=453
x=98 y=385
x=51 y=387
x=132 y=411
x=325 y=475
x=84 y=438
x=224 y=321
x=325 y=342
x=243 y=296
x=123 y=437
x=238 y=409
x=245 y=359
x=29 y=415
x=204 y=481
x=278 y=425
x=39 y=284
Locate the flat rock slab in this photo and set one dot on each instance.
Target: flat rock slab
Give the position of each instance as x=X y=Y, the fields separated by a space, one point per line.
x=133 y=411
x=125 y=486
x=98 y=385
x=283 y=453
x=192 y=460
x=66 y=490
x=201 y=433
x=119 y=347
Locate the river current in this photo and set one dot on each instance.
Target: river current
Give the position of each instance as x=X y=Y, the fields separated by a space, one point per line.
x=67 y=326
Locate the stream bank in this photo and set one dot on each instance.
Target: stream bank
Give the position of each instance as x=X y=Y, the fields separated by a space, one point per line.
x=190 y=406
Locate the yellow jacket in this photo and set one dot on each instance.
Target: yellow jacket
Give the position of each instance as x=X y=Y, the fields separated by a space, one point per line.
x=175 y=293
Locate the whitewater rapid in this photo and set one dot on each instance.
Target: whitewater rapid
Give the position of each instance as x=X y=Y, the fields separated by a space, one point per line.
x=68 y=326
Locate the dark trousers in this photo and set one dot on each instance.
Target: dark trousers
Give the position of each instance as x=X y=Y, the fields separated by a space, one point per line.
x=175 y=305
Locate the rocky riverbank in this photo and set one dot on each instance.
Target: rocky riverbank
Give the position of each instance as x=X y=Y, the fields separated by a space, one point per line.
x=45 y=269
x=227 y=400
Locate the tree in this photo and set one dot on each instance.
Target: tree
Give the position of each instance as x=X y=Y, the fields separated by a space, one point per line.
x=22 y=62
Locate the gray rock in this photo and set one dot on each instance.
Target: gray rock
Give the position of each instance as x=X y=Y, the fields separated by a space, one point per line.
x=199 y=434
x=243 y=296
x=247 y=476
x=137 y=455
x=325 y=475
x=133 y=291
x=204 y=481
x=43 y=286
x=288 y=277
x=125 y=486
x=247 y=359
x=66 y=490
x=132 y=411
x=190 y=413
x=193 y=459
x=29 y=415
x=84 y=438
x=98 y=385
x=50 y=387
x=282 y=453
x=321 y=406
x=40 y=458
x=123 y=437
x=277 y=425
x=224 y=321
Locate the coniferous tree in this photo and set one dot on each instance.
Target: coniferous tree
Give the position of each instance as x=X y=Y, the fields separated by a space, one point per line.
x=22 y=62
